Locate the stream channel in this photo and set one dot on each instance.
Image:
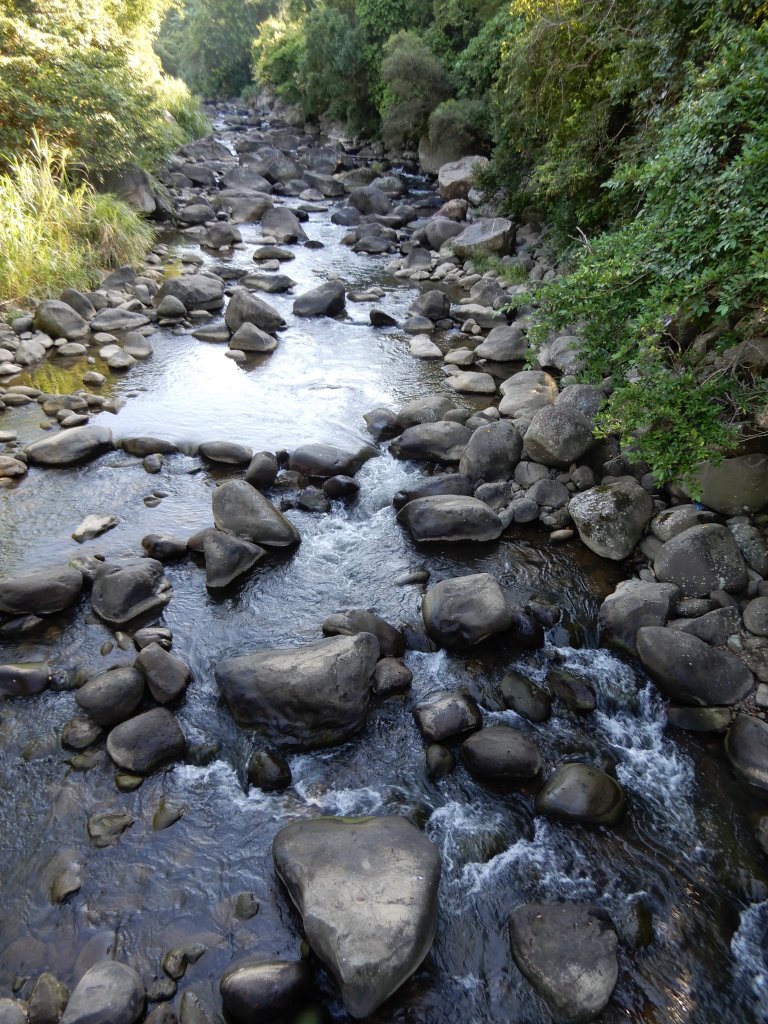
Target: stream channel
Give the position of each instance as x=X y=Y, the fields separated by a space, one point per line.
x=685 y=851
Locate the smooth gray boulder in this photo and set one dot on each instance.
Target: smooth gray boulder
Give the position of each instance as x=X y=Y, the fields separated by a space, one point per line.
x=166 y=675
x=423 y=410
x=469 y=382
x=525 y=698
x=127 y=588
x=253 y=989
x=456 y=178
x=561 y=352
x=633 y=604
x=303 y=697
x=112 y=696
x=689 y=671
x=558 y=436
x=442 y=483
x=327 y=299
x=450 y=517
x=702 y=559
x=442 y=441
x=59 y=320
x=491 y=236
x=240 y=509
x=227 y=558
x=70 y=447
x=250 y=338
x=118 y=320
x=585 y=397
x=440 y=230
x=109 y=993
x=747 y=748
x=225 y=452
x=612 y=518
x=464 y=611
x=501 y=754
x=434 y=305
x=360 y=620
x=671 y=521
x=147 y=741
x=246 y=308
x=582 y=794
x=492 y=452
x=367 y=890
x=567 y=951
x=25 y=678
x=283 y=225
x=524 y=393
x=736 y=485
x=324 y=460
x=504 y=344
x=369 y=199
x=43 y=592
x=447 y=715
x=196 y=291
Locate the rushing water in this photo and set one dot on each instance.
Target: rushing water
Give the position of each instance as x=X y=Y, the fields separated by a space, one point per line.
x=685 y=851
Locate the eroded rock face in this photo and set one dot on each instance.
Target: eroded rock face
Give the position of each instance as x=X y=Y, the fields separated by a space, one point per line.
x=462 y=612
x=700 y=560
x=240 y=509
x=367 y=892
x=109 y=993
x=690 y=671
x=612 y=518
x=303 y=697
x=567 y=951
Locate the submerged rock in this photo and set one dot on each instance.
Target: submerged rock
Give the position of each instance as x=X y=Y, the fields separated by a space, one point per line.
x=109 y=993
x=367 y=891
x=582 y=794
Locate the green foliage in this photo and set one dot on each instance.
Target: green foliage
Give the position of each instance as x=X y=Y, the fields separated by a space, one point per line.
x=467 y=121
x=417 y=82
x=56 y=233
x=334 y=72
x=278 y=57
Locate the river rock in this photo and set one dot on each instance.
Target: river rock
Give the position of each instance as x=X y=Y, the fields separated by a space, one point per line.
x=283 y=225
x=304 y=697
x=525 y=698
x=42 y=592
x=359 y=620
x=70 y=447
x=246 y=308
x=471 y=383
x=254 y=989
x=462 y=612
x=747 y=747
x=227 y=558
x=111 y=697
x=501 y=754
x=575 y=691
x=250 y=338
x=125 y=589
x=367 y=892
x=443 y=483
x=422 y=347
x=24 y=679
x=713 y=627
x=558 y=436
x=93 y=526
x=195 y=291
x=492 y=452
x=226 y=452
x=59 y=320
x=672 y=521
x=456 y=178
x=369 y=199
x=489 y=236
x=391 y=676
x=147 y=741
x=167 y=676
x=583 y=794
x=273 y=284
x=735 y=485
x=525 y=393
x=47 y=1000
x=443 y=441
x=262 y=470
x=448 y=517
x=700 y=560
x=567 y=951
x=118 y=319
x=440 y=230
x=142 y=446
x=447 y=716
x=690 y=671
x=424 y=410
x=755 y=616
x=109 y=993
x=612 y=518
x=503 y=345
x=269 y=771
x=327 y=299
x=434 y=305
x=324 y=460
x=240 y=509
x=633 y=604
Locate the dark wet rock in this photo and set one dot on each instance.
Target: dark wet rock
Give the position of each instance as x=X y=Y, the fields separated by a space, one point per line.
x=304 y=697
x=462 y=612
x=262 y=470
x=245 y=308
x=450 y=517
x=167 y=676
x=379 y=318
x=633 y=604
x=225 y=452
x=240 y=509
x=369 y=199
x=434 y=305
x=147 y=741
x=381 y=423
x=105 y=829
x=747 y=747
x=141 y=446
x=690 y=671
x=612 y=518
x=273 y=252
x=501 y=754
x=359 y=620
x=153 y=635
x=227 y=558
x=312 y=499
x=42 y=592
x=163 y=1014
x=699 y=719
x=567 y=951
x=577 y=693
x=254 y=990
x=391 y=676
x=70 y=447
x=713 y=628
x=327 y=299
x=581 y=793
x=269 y=771
x=246 y=906
x=558 y=436
x=525 y=698
x=109 y=993
x=447 y=716
x=441 y=441
x=23 y=679
x=123 y=590
x=112 y=696
x=196 y=291
x=79 y=733
x=192 y=1011
x=324 y=460
x=492 y=452
x=47 y=1000
x=164 y=548
x=59 y=320
x=177 y=960
x=340 y=486
x=445 y=483
x=367 y=892
x=702 y=559
x=440 y=761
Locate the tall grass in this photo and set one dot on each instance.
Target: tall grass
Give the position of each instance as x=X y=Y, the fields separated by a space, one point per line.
x=56 y=232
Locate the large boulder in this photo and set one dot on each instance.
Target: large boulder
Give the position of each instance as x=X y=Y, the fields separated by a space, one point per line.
x=434 y=305
x=254 y=989
x=492 y=236
x=747 y=747
x=324 y=460
x=423 y=410
x=501 y=754
x=43 y=592
x=304 y=697
x=147 y=741
x=633 y=604
x=112 y=696
x=367 y=893
x=524 y=393
x=558 y=436
x=702 y=559
x=196 y=291
x=440 y=230
x=442 y=441
x=283 y=225
x=109 y=993
x=240 y=509
x=582 y=794
x=369 y=199
x=244 y=205
x=689 y=671
x=567 y=951
x=327 y=299
x=360 y=620
x=492 y=452
x=245 y=308
x=735 y=485
x=504 y=344
x=127 y=588
x=167 y=676
x=612 y=518
x=560 y=352
x=227 y=558
x=134 y=186
x=59 y=320
x=443 y=483
x=449 y=517
x=71 y=447
x=462 y=612
x=456 y=179
x=118 y=319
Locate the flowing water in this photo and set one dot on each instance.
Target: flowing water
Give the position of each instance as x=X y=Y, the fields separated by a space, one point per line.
x=685 y=851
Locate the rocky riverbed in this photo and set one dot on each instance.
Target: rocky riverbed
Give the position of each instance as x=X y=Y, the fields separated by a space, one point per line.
x=346 y=676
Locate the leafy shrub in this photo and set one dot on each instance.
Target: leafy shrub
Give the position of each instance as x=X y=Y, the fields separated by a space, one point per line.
x=417 y=82
x=278 y=55
x=466 y=121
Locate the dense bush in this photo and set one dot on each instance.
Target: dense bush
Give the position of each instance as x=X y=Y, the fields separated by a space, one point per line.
x=416 y=83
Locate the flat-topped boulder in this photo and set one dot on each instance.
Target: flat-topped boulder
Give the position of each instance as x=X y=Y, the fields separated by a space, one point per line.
x=196 y=291
x=689 y=671
x=118 y=319
x=464 y=611
x=71 y=447
x=504 y=344
x=325 y=460
x=240 y=509
x=367 y=891
x=303 y=697
x=450 y=517
x=43 y=592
